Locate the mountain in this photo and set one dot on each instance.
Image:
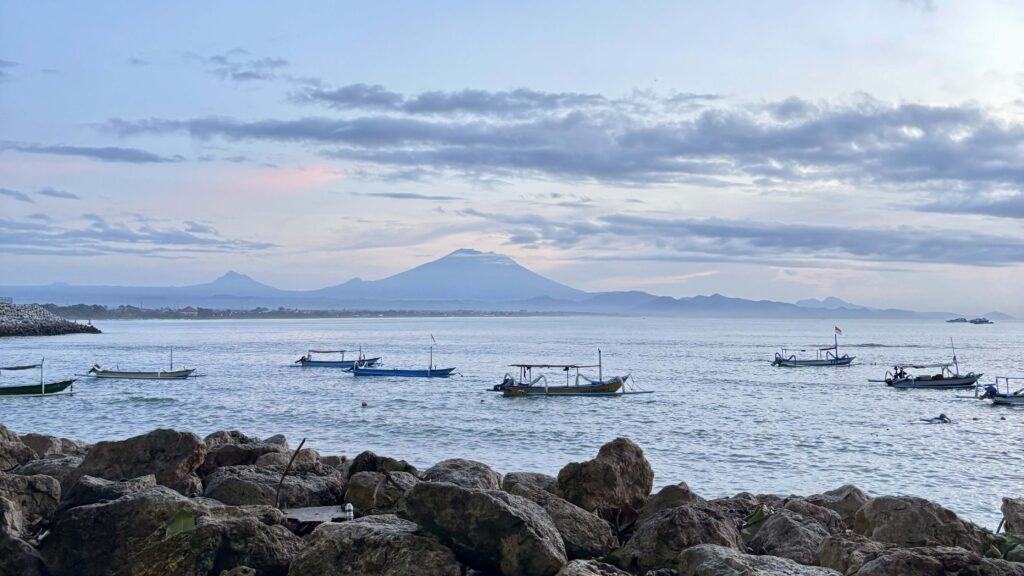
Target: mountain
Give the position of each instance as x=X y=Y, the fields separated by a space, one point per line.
x=829 y=303
x=233 y=284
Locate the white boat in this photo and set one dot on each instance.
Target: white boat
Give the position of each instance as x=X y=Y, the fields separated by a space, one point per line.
x=907 y=376
x=98 y=371
x=828 y=356
x=1008 y=398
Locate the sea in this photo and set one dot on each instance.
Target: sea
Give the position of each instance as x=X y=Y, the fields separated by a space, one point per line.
x=721 y=418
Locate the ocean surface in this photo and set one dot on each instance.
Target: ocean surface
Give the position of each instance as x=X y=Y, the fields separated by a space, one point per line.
x=721 y=417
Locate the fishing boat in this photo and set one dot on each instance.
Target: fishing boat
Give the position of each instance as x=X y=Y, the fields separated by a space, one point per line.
x=307 y=361
x=828 y=356
x=42 y=389
x=430 y=371
x=981 y=320
x=1008 y=398
x=960 y=320
x=524 y=383
x=904 y=376
x=99 y=372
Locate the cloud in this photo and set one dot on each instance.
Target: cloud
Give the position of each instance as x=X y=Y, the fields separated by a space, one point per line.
x=54 y=193
x=238 y=65
x=133 y=61
x=4 y=65
x=19 y=196
x=103 y=153
x=1004 y=204
x=97 y=236
x=408 y=196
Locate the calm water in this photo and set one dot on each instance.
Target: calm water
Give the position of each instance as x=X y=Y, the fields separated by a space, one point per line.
x=721 y=418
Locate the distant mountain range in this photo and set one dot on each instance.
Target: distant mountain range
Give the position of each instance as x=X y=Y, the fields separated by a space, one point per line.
x=463 y=280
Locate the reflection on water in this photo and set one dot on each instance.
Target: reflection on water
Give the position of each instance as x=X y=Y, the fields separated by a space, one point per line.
x=722 y=418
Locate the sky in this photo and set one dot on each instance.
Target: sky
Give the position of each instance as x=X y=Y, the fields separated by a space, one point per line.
x=780 y=150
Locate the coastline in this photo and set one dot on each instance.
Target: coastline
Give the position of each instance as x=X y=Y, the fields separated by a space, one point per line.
x=35 y=320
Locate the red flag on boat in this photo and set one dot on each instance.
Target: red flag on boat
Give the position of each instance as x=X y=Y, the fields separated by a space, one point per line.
x=838 y=331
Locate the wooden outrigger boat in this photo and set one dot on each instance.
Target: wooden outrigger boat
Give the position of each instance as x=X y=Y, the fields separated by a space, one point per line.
x=98 y=372
x=946 y=379
x=431 y=371
x=525 y=384
x=307 y=361
x=1008 y=398
x=828 y=356
x=41 y=389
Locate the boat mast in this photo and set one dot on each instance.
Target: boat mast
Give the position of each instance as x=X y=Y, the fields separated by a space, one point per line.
x=172 y=358
x=600 y=376
x=42 y=387
x=956 y=364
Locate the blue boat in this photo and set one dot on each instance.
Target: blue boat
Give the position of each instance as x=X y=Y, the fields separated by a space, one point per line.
x=307 y=361
x=399 y=373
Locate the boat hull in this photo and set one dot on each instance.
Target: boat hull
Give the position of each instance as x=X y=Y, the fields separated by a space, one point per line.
x=344 y=364
x=959 y=383
x=1007 y=400
x=49 y=389
x=796 y=363
x=608 y=387
x=170 y=375
x=398 y=373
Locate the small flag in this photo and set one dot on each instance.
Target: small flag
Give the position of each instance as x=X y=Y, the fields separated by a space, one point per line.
x=838 y=331
x=432 y=339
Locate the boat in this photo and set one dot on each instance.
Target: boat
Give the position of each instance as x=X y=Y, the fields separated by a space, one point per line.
x=981 y=320
x=960 y=320
x=99 y=372
x=576 y=384
x=307 y=361
x=828 y=356
x=1008 y=398
x=430 y=371
x=902 y=376
x=41 y=389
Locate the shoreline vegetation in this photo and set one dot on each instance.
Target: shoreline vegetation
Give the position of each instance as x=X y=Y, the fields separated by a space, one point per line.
x=171 y=503
x=35 y=320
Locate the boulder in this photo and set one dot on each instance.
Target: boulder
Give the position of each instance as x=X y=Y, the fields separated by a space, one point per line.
x=13 y=452
x=1013 y=515
x=309 y=485
x=239 y=571
x=668 y=497
x=369 y=462
x=168 y=455
x=744 y=504
x=910 y=522
x=489 y=530
x=585 y=534
x=537 y=480
x=236 y=449
x=35 y=497
x=18 y=558
x=304 y=456
x=63 y=468
x=158 y=531
x=379 y=492
x=11 y=520
x=937 y=561
x=787 y=534
x=590 y=568
x=465 y=473
x=829 y=519
x=90 y=490
x=190 y=486
x=847 y=552
x=615 y=484
x=384 y=545
x=54 y=447
x=225 y=437
x=712 y=560
x=845 y=501
x=658 y=541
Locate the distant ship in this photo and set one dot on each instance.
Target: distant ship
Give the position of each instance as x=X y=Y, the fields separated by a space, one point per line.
x=958 y=320
x=981 y=320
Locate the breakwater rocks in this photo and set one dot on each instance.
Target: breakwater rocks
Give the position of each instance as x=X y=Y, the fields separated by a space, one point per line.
x=34 y=320
x=170 y=503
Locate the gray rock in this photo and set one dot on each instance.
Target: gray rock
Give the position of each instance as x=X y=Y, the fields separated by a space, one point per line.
x=909 y=521
x=489 y=530
x=465 y=473
x=537 y=480
x=91 y=490
x=18 y=558
x=34 y=320
x=8 y=435
x=168 y=455
x=11 y=520
x=937 y=561
x=847 y=552
x=63 y=468
x=668 y=497
x=54 y=447
x=590 y=568
x=585 y=534
x=190 y=486
x=228 y=437
x=313 y=485
x=845 y=501
x=744 y=504
x=369 y=462
x=236 y=449
x=615 y=484
x=1013 y=515
x=13 y=452
x=379 y=492
x=658 y=541
x=787 y=534
x=381 y=545
x=36 y=497
x=239 y=571
x=712 y=560
x=304 y=456
x=829 y=519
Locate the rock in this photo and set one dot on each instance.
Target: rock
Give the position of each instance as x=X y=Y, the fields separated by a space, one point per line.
x=239 y=571
x=34 y=320
x=1013 y=515
x=489 y=530
x=11 y=520
x=18 y=558
x=227 y=437
x=190 y=486
x=537 y=480
x=310 y=485
x=167 y=454
x=236 y=449
x=615 y=484
x=304 y=456
x=158 y=531
x=54 y=447
x=847 y=552
x=910 y=521
x=36 y=497
x=90 y=490
x=378 y=493
x=936 y=561
x=845 y=501
x=63 y=468
x=658 y=541
x=829 y=519
x=8 y=435
x=668 y=497
x=590 y=568
x=369 y=462
x=384 y=545
x=13 y=452
x=744 y=504
x=465 y=473
x=712 y=560
x=787 y=534
x=584 y=534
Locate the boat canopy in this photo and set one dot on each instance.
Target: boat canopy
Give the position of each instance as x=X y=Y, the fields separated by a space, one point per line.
x=25 y=367
x=923 y=366
x=563 y=366
x=328 y=351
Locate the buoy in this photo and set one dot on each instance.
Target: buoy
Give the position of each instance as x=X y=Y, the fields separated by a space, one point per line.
x=349 y=512
x=365 y=404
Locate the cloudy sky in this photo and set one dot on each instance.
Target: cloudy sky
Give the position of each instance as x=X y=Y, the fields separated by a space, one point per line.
x=872 y=150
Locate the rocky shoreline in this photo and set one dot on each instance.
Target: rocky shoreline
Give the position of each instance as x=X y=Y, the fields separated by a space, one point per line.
x=34 y=320
x=171 y=503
